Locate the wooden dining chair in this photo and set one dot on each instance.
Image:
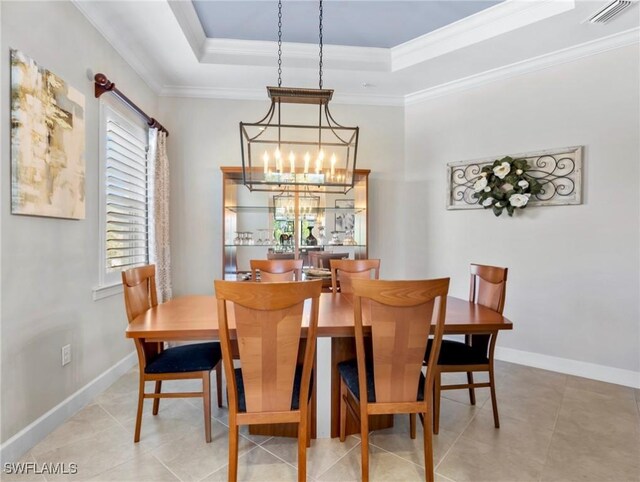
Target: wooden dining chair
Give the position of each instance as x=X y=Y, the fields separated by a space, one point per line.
x=273 y=255
x=273 y=270
x=390 y=380
x=271 y=385
x=344 y=270
x=177 y=363
x=322 y=259
x=475 y=354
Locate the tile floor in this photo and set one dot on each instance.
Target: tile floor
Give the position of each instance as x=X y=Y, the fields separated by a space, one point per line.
x=554 y=427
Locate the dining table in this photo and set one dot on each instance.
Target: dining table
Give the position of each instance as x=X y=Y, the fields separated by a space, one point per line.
x=195 y=317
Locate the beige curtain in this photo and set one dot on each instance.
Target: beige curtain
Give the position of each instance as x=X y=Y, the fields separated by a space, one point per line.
x=159 y=249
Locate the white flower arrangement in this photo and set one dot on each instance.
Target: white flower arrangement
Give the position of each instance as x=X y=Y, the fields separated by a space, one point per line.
x=505 y=184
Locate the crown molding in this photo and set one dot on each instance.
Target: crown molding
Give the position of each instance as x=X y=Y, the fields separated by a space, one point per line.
x=111 y=35
x=497 y=20
x=261 y=95
x=511 y=12
x=261 y=53
x=187 y=18
x=594 y=47
x=296 y=55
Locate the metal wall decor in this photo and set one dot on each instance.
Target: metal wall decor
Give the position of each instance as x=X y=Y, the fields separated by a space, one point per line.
x=278 y=155
x=558 y=170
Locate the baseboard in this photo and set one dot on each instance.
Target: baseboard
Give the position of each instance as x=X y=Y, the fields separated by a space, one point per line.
x=619 y=376
x=32 y=434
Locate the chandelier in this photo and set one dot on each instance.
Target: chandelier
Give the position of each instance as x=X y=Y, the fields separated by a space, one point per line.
x=285 y=206
x=278 y=155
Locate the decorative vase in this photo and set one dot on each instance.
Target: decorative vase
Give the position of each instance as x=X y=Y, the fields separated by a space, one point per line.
x=322 y=239
x=311 y=239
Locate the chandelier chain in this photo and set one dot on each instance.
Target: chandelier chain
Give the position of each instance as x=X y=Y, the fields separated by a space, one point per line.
x=320 y=36
x=279 y=43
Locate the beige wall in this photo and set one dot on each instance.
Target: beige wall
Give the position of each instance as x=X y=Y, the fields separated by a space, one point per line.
x=205 y=136
x=573 y=287
x=49 y=266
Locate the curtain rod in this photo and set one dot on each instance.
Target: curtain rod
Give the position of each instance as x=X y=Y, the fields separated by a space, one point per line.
x=103 y=84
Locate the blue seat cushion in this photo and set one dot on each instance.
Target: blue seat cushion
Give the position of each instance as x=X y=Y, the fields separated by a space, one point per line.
x=349 y=372
x=186 y=358
x=458 y=353
x=295 y=395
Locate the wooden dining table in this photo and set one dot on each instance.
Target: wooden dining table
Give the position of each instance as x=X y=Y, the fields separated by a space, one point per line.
x=190 y=318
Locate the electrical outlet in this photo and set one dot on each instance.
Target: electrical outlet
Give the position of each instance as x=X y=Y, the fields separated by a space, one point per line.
x=66 y=355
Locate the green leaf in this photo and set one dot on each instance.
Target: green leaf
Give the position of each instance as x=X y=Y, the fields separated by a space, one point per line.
x=535 y=187
x=512 y=178
x=520 y=164
x=498 y=194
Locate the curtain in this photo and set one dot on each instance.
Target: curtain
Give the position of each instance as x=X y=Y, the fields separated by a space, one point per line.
x=159 y=249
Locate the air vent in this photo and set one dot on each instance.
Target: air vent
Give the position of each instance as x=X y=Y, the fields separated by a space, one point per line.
x=609 y=11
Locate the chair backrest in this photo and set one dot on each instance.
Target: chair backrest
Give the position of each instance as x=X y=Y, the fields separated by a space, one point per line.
x=272 y=255
x=344 y=270
x=276 y=269
x=268 y=322
x=401 y=316
x=488 y=286
x=139 y=286
x=322 y=259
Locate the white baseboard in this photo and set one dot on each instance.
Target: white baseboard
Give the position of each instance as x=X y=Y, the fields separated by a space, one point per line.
x=619 y=376
x=28 y=437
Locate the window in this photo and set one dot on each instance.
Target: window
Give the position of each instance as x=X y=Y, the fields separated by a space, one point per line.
x=124 y=195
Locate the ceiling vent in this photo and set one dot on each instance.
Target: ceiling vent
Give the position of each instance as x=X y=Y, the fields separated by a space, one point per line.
x=610 y=10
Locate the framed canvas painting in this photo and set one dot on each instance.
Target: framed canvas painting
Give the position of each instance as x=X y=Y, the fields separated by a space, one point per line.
x=345 y=215
x=47 y=143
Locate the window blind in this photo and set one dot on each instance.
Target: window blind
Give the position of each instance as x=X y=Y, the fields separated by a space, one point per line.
x=127 y=196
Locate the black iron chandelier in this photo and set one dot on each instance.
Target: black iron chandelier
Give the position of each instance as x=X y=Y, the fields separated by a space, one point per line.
x=279 y=156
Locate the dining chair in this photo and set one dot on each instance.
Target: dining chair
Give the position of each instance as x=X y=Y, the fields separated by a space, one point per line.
x=475 y=354
x=158 y=363
x=272 y=270
x=274 y=255
x=344 y=270
x=389 y=379
x=322 y=259
x=271 y=385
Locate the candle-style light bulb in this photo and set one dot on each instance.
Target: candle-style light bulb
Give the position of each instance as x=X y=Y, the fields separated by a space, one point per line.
x=307 y=159
x=265 y=158
x=333 y=165
x=321 y=158
x=278 y=157
x=292 y=162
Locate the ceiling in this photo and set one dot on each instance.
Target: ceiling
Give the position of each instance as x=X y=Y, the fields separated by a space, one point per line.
x=165 y=42
x=354 y=23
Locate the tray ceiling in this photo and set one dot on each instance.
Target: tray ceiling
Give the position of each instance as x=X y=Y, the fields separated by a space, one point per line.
x=353 y=23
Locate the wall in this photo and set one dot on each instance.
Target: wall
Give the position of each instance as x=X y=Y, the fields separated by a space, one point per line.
x=205 y=136
x=573 y=287
x=49 y=266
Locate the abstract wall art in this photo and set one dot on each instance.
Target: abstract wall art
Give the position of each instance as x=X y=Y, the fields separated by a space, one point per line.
x=47 y=143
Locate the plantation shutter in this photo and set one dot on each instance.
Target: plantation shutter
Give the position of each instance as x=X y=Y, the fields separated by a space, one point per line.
x=127 y=195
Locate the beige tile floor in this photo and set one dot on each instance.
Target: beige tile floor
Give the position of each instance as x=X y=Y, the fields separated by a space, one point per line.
x=553 y=428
